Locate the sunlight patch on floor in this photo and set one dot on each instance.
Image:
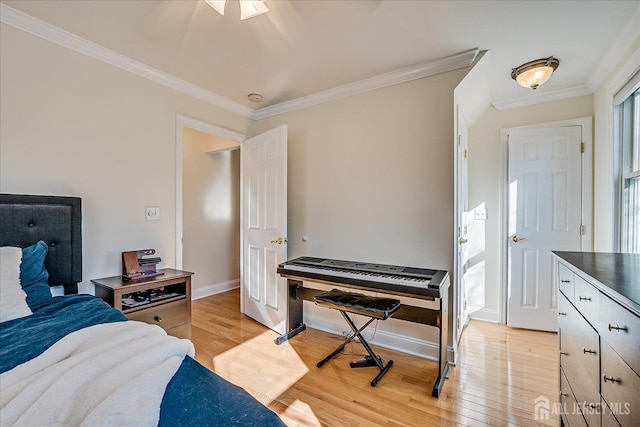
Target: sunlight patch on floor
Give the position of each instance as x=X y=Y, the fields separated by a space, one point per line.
x=300 y=414
x=260 y=364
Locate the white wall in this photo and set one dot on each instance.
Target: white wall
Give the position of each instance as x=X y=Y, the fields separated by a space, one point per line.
x=211 y=212
x=486 y=164
x=71 y=125
x=371 y=179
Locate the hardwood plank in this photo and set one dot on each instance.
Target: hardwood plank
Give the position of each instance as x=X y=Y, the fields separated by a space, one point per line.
x=500 y=372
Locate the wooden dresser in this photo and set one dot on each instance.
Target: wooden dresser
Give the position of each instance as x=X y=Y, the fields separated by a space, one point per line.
x=161 y=300
x=599 y=334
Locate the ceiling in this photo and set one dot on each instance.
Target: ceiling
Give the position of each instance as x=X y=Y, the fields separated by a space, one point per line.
x=302 y=48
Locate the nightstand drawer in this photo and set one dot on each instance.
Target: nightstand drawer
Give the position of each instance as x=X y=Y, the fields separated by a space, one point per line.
x=167 y=315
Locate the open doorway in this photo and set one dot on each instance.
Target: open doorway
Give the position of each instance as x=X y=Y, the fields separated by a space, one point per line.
x=208 y=214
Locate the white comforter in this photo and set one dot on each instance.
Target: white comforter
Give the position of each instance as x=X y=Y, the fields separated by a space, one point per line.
x=113 y=374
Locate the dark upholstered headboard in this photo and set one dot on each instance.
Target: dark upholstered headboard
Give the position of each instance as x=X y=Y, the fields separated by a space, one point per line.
x=26 y=219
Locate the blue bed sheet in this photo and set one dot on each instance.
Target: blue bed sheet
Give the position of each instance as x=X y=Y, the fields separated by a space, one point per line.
x=195 y=396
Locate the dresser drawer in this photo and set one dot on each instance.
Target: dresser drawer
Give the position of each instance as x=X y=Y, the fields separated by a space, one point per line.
x=167 y=315
x=565 y=279
x=608 y=419
x=579 y=355
x=620 y=387
x=621 y=329
x=587 y=299
x=568 y=404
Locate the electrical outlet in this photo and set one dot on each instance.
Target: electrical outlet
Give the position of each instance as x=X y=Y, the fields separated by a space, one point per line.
x=152 y=213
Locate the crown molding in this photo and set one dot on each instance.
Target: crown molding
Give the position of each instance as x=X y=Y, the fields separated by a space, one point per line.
x=539 y=98
x=46 y=31
x=450 y=63
x=616 y=51
x=29 y=24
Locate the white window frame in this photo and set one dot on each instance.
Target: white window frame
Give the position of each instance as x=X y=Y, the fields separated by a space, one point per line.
x=627 y=137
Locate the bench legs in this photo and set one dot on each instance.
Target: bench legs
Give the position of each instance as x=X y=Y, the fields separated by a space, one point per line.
x=357 y=333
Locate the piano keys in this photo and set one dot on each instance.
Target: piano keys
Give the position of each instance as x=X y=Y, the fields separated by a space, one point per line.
x=397 y=280
x=420 y=283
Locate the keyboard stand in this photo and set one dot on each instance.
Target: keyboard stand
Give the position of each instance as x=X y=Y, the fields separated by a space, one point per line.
x=438 y=318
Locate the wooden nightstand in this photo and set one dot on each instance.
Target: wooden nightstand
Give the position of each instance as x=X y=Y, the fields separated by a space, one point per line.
x=162 y=300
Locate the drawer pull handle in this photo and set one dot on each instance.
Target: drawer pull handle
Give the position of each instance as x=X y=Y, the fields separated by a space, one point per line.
x=593 y=405
x=565 y=281
x=158 y=319
x=587 y=350
x=605 y=378
x=585 y=298
x=617 y=328
x=560 y=313
x=563 y=394
x=564 y=353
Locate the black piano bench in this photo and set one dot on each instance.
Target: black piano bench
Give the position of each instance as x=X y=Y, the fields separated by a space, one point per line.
x=373 y=307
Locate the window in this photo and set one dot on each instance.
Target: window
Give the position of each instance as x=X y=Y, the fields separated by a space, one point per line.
x=628 y=136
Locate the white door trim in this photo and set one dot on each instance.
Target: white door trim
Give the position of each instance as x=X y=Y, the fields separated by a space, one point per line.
x=587 y=196
x=189 y=122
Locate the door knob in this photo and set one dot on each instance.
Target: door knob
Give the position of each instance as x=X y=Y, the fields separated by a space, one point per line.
x=279 y=240
x=517 y=239
x=463 y=240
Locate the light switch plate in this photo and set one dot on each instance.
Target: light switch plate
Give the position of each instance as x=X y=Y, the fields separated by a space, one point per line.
x=480 y=214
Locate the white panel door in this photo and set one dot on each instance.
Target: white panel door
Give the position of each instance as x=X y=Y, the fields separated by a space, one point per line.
x=264 y=197
x=545 y=214
x=463 y=225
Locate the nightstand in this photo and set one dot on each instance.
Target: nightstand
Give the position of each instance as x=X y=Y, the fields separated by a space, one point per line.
x=161 y=300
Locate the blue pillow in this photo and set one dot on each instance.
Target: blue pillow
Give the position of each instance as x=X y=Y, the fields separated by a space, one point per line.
x=34 y=277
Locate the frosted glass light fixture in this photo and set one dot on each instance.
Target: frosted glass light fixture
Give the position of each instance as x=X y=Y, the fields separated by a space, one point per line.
x=534 y=73
x=248 y=8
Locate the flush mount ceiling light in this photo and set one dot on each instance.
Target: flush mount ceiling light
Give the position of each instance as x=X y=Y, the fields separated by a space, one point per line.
x=248 y=8
x=534 y=73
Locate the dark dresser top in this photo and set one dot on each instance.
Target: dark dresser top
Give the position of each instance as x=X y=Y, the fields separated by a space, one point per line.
x=615 y=274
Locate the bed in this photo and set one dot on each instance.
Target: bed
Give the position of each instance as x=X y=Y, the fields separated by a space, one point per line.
x=72 y=359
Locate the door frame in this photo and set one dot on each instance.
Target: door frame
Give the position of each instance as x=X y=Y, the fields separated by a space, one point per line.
x=587 y=197
x=458 y=306
x=211 y=129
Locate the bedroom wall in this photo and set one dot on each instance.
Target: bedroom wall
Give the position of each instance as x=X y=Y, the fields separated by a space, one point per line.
x=370 y=178
x=485 y=182
x=210 y=212
x=72 y=125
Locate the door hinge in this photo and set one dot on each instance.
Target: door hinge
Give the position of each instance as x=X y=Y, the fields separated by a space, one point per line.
x=459 y=139
x=464 y=305
x=465 y=154
x=582 y=147
x=582 y=230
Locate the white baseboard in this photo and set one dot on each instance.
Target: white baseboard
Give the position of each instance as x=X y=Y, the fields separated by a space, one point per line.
x=485 y=314
x=401 y=343
x=217 y=288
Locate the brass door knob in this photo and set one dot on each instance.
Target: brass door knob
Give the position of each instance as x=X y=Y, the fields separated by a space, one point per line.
x=463 y=240
x=517 y=238
x=279 y=240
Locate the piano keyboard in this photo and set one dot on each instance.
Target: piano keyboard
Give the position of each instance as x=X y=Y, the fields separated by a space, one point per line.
x=407 y=280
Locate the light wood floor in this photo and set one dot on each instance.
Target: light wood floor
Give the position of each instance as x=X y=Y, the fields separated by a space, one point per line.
x=499 y=374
